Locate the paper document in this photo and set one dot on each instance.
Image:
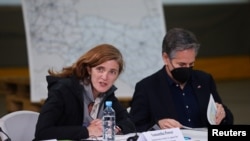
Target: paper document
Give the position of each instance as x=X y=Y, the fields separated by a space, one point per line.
x=186 y=127
x=211 y=110
x=195 y=135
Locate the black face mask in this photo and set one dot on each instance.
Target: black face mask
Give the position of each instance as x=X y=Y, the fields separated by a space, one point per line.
x=182 y=74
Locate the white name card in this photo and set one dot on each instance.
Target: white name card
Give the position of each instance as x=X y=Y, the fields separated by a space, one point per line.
x=173 y=134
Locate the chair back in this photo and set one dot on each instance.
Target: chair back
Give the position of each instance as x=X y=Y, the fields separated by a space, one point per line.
x=19 y=125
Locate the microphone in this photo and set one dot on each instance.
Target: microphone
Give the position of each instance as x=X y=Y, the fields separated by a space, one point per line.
x=135 y=137
x=8 y=138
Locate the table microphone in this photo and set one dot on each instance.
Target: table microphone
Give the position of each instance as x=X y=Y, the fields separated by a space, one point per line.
x=8 y=138
x=135 y=137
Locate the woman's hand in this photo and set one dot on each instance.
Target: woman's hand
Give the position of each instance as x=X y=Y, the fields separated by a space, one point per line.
x=95 y=128
x=118 y=130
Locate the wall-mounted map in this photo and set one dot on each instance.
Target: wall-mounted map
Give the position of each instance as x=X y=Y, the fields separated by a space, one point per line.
x=60 y=31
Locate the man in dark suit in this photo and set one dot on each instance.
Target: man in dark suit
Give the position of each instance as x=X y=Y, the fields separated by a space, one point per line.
x=177 y=95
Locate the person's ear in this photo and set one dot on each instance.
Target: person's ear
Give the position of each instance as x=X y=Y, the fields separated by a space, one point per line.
x=165 y=58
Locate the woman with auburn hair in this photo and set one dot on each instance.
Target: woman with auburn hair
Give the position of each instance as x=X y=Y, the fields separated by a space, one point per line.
x=76 y=97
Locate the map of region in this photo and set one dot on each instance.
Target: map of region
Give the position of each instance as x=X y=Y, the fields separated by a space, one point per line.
x=58 y=32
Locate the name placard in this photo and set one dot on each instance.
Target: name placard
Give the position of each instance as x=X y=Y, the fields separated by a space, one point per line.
x=173 y=134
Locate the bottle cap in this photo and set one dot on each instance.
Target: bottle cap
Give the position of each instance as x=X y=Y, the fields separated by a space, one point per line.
x=108 y=103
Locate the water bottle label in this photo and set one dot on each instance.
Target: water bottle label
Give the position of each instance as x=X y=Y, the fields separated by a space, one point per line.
x=109 y=128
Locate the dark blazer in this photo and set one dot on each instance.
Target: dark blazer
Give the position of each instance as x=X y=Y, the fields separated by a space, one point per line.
x=152 y=99
x=61 y=116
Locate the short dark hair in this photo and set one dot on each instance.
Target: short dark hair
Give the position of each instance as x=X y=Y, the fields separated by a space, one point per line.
x=178 y=39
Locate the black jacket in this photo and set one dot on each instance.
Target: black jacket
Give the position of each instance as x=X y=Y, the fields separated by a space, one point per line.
x=61 y=116
x=152 y=99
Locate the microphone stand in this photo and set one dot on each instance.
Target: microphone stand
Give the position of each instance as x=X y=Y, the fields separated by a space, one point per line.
x=135 y=137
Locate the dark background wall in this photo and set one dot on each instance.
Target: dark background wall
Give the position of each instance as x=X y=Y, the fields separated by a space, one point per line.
x=222 y=30
x=13 y=51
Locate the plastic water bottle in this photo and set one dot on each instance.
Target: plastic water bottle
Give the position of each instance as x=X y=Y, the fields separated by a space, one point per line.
x=108 y=120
